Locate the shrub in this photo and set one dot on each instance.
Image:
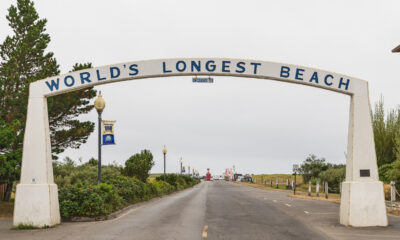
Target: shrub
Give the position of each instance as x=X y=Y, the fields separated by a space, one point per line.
x=68 y=174
x=80 y=195
x=383 y=172
x=170 y=178
x=393 y=174
x=178 y=181
x=90 y=201
x=139 y=165
x=162 y=187
x=334 y=177
x=312 y=167
x=130 y=189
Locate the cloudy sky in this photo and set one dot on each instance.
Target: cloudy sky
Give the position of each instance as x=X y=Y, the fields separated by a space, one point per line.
x=260 y=126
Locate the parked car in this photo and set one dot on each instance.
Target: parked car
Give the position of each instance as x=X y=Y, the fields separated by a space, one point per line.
x=236 y=175
x=246 y=178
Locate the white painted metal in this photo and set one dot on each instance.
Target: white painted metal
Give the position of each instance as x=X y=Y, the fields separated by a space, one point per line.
x=362 y=197
x=392 y=191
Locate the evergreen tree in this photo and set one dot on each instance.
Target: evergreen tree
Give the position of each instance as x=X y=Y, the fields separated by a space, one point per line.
x=67 y=131
x=139 y=165
x=24 y=60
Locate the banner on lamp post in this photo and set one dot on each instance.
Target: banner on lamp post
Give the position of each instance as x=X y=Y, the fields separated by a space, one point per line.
x=108 y=132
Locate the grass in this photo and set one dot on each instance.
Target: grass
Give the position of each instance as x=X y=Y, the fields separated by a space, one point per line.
x=152 y=177
x=281 y=177
x=24 y=227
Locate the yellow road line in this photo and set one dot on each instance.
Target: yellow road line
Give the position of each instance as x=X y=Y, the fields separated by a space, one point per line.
x=205 y=231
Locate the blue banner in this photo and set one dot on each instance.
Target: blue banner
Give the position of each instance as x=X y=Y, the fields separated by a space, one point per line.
x=108 y=132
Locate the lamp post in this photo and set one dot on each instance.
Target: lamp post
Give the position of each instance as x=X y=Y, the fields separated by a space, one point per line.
x=180 y=161
x=99 y=104
x=164 y=151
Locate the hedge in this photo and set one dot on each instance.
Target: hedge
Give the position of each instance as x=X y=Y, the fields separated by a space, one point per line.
x=116 y=192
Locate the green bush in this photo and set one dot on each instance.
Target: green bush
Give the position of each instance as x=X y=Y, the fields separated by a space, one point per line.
x=383 y=172
x=90 y=201
x=68 y=174
x=393 y=174
x=130 y=189
x=139 y=165
x=81 y=196
x=334 y=177
x=113 y=194
x=162 y=187
x=169 y=178
x=312 y=167
x=178 y=181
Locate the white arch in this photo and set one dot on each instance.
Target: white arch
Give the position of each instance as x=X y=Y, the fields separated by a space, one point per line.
x=362 y=196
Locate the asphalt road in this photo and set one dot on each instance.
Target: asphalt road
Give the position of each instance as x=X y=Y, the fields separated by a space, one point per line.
x=216 y=210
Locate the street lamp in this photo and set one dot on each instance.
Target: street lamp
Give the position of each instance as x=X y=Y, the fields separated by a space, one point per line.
x=99 y=104
x=164 y=151
x=180 y=161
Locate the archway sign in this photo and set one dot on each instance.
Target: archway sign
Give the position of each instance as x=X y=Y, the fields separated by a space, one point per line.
x=362 y=200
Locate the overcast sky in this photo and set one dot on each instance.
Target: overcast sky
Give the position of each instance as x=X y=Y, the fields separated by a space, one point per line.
x=260 y=126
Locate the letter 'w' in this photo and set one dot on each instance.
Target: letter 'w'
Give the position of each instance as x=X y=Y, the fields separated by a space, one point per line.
x=53 y=84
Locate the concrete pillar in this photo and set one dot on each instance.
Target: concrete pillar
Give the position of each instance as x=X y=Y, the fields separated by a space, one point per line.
x=36 y=201
x=362 y=198
x=277 y=183
x=392 y=191
x=317 y=190
x=309 y=188
x=326 y=189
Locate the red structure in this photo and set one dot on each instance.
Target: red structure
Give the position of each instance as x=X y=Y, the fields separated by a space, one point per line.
x=208 y=175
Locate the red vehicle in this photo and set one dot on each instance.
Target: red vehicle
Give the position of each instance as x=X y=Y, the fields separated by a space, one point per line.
x=208 y=175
